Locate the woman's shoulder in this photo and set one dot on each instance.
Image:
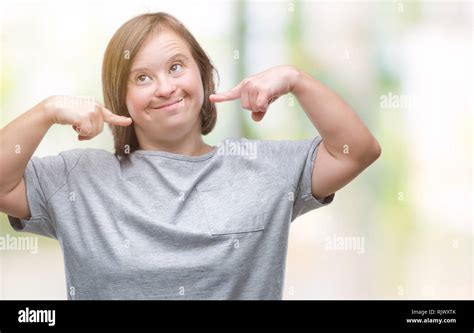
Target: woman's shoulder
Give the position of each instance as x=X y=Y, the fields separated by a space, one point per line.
x=88 y=157
x=267 y=146
x=86 y=153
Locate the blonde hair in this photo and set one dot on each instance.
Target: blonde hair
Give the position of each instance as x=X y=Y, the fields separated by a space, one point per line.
x=118 y=58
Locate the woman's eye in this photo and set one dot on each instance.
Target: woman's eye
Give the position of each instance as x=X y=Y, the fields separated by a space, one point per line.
x=142 y=78
x=176 y=67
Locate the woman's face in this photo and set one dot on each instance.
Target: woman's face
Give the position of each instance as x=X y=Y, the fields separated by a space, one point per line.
x=164 y=90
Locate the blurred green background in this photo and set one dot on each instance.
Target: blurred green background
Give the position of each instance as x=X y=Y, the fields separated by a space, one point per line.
x=405 y=67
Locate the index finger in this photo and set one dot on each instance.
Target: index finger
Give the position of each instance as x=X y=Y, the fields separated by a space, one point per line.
x=230 y=95
x=113 y=119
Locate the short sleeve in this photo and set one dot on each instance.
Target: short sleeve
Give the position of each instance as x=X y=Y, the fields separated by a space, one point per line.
x=43 y=178
x=304 y=199
x=294 y=161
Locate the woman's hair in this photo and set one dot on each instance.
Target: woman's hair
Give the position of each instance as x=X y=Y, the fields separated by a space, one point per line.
x=118 y=58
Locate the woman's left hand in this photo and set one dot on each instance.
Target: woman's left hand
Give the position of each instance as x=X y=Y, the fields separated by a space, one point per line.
x=258 y=91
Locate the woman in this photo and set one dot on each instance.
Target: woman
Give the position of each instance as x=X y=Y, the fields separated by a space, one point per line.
x=168 y=216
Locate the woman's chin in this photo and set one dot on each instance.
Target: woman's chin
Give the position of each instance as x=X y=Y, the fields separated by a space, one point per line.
x=169 y=122
x=174 y=124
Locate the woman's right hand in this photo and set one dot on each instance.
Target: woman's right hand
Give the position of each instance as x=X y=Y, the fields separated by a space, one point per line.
x=86 y=116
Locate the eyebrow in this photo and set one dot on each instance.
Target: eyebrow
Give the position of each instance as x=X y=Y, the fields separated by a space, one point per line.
x=173 y=57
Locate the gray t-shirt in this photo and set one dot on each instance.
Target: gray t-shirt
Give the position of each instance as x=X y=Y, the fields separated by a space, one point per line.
x=158 y=225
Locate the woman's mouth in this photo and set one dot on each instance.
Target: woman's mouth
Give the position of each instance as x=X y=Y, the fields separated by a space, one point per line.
x=170 y=106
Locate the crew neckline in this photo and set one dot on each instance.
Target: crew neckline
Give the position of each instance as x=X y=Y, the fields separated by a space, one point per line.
x=177 y=156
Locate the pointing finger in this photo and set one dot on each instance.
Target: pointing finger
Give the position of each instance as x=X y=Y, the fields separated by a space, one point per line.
x=230 y=95
x=114 y=119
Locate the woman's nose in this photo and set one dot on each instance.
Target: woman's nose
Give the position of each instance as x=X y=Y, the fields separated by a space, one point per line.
x=165 y=88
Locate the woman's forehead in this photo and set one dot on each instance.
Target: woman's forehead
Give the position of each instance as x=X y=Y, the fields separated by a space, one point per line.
x=164 y=42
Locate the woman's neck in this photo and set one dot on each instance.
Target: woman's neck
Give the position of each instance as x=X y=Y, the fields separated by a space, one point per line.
x=194 y=147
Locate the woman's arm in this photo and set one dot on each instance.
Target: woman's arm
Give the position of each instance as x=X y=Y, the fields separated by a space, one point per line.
x=18 y=141
x=20 y=138
x=347 y=146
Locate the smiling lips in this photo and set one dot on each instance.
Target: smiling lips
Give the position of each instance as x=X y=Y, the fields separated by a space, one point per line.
x=169 y=104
